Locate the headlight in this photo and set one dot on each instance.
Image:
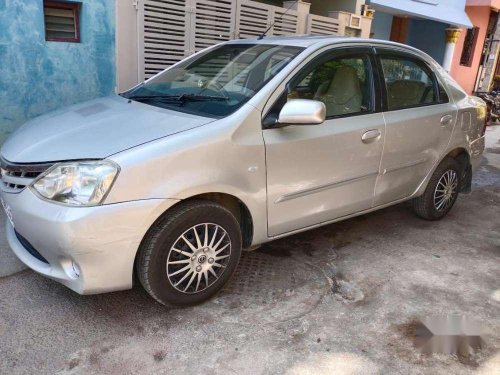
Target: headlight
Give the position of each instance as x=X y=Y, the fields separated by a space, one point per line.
x=84 y=183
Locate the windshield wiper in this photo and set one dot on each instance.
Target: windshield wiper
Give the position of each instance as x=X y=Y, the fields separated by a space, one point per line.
x=194 y=97
x=180 y=98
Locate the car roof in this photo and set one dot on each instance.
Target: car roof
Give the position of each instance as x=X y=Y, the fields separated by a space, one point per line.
x=294 y=40
x=319 y=41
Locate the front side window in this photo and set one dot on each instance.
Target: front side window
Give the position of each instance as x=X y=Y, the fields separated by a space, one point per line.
x=342 y=83
x=216 y=83
x=409 y=83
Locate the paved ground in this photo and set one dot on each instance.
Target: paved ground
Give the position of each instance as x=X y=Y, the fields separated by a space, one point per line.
x=341 y=299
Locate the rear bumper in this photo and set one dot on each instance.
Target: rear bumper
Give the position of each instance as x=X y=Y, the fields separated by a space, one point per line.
x=101 y=241
x=476 y=152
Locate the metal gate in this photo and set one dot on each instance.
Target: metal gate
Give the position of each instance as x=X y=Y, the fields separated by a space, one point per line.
x=170 y=30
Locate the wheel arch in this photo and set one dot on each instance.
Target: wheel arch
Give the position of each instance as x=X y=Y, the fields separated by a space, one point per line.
x=235 y=205
x=458 y=153
x=463 y=157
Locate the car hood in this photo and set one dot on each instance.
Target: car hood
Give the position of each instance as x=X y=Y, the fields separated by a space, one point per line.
x=94 y=130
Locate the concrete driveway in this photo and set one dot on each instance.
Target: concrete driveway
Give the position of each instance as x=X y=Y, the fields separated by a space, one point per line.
x=342 y=299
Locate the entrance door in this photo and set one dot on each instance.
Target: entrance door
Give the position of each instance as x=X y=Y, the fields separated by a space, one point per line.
x=316 y=173
x=399 y=30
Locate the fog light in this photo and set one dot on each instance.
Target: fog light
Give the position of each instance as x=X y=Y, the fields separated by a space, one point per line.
x=76 y=269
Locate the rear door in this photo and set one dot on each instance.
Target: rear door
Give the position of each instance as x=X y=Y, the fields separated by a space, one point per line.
x=419 y=122
x=316 y=173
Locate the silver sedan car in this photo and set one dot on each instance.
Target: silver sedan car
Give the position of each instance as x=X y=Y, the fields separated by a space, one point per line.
x=240 y=144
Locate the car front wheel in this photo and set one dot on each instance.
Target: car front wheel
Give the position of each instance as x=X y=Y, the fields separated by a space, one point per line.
x=190 y=253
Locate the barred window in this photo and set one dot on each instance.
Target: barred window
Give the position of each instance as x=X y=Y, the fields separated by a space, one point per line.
x=469 y=46
x=62 y=22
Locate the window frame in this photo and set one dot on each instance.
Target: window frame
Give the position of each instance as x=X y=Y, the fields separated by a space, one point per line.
x=75 y=7
x=467 y=55
x=333 y=53
x=394 y=54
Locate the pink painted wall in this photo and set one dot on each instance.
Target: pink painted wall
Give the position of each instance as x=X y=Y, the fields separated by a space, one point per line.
x=486 y=3
x=466 y=76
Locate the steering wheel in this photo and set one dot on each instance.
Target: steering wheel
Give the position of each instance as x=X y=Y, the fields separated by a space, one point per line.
x=219 y=88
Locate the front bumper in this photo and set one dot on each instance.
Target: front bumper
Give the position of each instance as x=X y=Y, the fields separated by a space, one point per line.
x=102 y=241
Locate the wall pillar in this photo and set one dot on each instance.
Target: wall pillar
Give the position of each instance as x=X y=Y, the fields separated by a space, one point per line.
x=127 y=60
x=303 y=9
x=452 y=35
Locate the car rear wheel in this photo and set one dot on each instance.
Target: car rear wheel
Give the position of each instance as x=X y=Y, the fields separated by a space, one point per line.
x=441 y=192
x=190 y=253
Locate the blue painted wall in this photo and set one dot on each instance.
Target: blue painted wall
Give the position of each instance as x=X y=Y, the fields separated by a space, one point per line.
x=38 y=76
x=381 y=25
x=428 y=36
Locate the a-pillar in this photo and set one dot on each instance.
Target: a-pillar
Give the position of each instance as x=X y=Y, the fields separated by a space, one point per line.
x=452 y=35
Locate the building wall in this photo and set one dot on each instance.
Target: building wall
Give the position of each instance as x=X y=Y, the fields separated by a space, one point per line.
x=466 y=76
x=446 y=11
x=38 y=76
x=278 y=3
x=428 y=36
x=381 y=25
x=485 y=3
x=322 y=7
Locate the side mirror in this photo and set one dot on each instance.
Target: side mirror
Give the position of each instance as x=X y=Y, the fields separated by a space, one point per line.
x=302 y=112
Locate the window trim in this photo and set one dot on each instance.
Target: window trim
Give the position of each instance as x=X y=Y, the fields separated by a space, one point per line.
x=336 y=52
x=381 y=53
x=75 y=7
x=439 y=82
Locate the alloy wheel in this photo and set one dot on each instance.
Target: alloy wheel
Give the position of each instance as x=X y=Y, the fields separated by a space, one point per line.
x=446 y=190
x=198 y=258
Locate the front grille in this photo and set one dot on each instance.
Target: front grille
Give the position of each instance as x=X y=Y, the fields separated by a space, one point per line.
x=15 y=177
x=30 y=249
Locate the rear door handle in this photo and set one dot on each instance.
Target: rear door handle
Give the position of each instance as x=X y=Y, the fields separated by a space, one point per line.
x=371 y=136
x=446 y=120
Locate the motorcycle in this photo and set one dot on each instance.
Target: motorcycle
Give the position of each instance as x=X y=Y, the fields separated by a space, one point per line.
x=492 y=100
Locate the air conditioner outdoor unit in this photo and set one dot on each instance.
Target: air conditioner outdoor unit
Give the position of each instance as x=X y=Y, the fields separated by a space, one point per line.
x=367 y=11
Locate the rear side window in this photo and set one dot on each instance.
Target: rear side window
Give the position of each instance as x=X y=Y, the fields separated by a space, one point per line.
x=409 y=83
x=443 y=96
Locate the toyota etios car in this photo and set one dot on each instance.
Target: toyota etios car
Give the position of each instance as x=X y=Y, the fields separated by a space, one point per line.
x=242 y=143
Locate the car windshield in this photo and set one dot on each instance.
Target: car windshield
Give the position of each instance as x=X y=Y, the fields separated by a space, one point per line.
x=218 y=82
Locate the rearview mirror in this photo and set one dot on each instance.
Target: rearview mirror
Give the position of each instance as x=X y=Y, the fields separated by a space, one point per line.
x=302 y=112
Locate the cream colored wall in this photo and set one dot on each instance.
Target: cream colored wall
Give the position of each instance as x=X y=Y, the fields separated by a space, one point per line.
x=127 y=59
x=322 y=7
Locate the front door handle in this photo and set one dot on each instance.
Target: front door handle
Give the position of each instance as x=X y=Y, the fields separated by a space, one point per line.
x=446 y=120
x=371 y=136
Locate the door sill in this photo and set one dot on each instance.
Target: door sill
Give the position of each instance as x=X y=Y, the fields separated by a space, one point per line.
x=341 y=218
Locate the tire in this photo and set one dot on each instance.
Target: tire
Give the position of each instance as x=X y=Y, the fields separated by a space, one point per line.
x=167 y=263
x=434 y=204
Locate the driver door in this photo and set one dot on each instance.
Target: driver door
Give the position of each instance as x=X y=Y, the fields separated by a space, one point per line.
x=317 y=173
